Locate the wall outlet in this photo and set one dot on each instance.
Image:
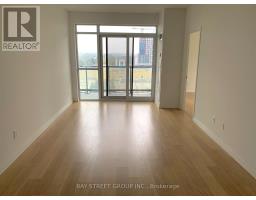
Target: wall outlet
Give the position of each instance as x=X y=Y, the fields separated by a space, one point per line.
x=14 y=135
x=213 y=119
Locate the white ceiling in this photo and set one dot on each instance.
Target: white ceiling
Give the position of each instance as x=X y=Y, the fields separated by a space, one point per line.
x=122 y=8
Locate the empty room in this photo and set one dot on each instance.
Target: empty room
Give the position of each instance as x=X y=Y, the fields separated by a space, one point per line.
x=127 y=99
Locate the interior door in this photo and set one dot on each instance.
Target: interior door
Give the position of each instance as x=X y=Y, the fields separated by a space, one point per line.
x=114 y=66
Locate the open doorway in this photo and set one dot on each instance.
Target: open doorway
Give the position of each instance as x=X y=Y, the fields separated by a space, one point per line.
x=191 y=77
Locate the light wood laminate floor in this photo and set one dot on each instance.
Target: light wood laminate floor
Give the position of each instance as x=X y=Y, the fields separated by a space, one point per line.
x=125 y=143
x=189 y=103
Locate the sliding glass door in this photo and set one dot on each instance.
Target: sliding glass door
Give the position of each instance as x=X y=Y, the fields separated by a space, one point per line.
x=114 y=64
x=127 y=66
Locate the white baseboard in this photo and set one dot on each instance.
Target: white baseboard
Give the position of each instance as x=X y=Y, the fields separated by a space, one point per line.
x=36 y=134
x=226 y=147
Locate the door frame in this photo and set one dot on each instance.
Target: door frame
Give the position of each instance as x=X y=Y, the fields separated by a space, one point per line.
x=153 y=77
x=185 y=89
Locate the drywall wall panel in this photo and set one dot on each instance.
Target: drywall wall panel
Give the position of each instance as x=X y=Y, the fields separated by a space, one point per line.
x=226 y=77
x=172 y=54
x=35 y=87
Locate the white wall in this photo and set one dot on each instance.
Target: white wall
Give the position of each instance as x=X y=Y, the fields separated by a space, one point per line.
x=34 y=86
x=172 y=54
x=226 y=77
x=101 y=19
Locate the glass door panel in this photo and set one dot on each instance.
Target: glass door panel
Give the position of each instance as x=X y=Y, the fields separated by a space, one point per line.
x=142 y=78
x=140 y=66
x=114 y=66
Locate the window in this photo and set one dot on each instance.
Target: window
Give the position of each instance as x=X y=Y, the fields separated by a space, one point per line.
x=128 y=29
x=141 y=66
x=86 y=28
x=126 y=61
x=142 y=81
x=87 y=58
x=117 y=52
x=88 y=84
x=87 y=50
x=143 y=51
